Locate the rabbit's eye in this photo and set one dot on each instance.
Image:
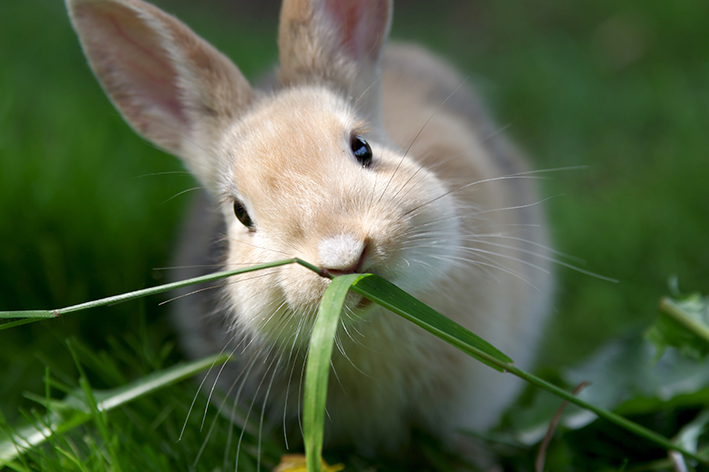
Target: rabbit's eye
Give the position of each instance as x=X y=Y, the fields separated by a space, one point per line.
x=361 y=150
x=242 y=215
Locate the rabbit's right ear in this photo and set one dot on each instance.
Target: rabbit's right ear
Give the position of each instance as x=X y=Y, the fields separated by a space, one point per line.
x=171 y=86
x=338 y=42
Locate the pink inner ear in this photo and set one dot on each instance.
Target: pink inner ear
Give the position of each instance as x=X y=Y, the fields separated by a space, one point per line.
x=130 y=61
x=362 y=24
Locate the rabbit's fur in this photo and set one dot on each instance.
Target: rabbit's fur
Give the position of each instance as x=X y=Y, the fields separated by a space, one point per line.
x=446 y=210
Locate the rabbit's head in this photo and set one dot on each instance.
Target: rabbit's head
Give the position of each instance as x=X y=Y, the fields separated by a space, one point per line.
x=303 y=170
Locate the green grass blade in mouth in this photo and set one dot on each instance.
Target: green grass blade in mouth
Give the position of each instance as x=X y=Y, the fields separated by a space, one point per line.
x=318 y=367
x=390 y=296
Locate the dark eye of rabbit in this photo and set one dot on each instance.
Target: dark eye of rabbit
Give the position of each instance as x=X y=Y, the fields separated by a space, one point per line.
x=242 y=215
x=361 y=150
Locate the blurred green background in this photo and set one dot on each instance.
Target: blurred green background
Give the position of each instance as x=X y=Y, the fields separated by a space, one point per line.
x=86 y=207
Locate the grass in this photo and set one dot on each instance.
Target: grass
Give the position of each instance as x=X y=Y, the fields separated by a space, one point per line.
x=162 y=431
x=79 y=406
x=86 y=208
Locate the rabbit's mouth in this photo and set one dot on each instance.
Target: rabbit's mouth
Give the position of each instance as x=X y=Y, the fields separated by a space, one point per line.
x=363 y=304
x=358 y=306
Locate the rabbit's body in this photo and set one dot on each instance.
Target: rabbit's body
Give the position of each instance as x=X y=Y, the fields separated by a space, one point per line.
x=396 y=377
x=399 y=174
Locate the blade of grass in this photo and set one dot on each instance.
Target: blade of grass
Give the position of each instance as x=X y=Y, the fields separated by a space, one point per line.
x=12 y=324
x=98 y=415
x=674 y=311
x=31 y=316
x=391 y=297
x=388 y=295
x=75 y=412
x=318 y=367
x=11 y=444
x=73 y=459
x=43 y=314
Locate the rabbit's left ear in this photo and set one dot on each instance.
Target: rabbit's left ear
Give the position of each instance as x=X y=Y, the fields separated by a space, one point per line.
x=170 y=85
x=334 y=41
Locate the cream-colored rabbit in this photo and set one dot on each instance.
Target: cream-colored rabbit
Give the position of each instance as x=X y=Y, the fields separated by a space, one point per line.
x=357 y=158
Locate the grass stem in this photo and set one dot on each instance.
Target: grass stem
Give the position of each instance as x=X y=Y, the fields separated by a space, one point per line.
x=676 y=312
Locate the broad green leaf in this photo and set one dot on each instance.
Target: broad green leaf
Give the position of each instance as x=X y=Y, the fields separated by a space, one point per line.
x=318 y=367
x=388 y=295
x=74 y=411
x=683 y=324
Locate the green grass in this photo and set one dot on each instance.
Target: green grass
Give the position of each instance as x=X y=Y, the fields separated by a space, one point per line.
x=62 y=417
x=161 y=431
x=86 y=211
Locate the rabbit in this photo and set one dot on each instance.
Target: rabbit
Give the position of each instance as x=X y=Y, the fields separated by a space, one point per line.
x=358 y=156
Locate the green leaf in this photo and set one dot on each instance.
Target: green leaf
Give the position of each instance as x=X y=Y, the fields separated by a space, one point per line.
x=682 y=324
x=624 y=378
x=390 y=296
x=688 y=437
x=318 y=367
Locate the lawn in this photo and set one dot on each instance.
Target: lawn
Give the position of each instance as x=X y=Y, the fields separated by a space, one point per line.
x=611 y=97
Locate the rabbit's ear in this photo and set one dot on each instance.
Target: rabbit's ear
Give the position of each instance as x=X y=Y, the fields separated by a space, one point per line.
x=171 y=86
x=334 y=41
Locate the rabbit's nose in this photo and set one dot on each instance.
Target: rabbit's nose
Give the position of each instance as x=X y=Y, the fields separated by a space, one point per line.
x=342 y=254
